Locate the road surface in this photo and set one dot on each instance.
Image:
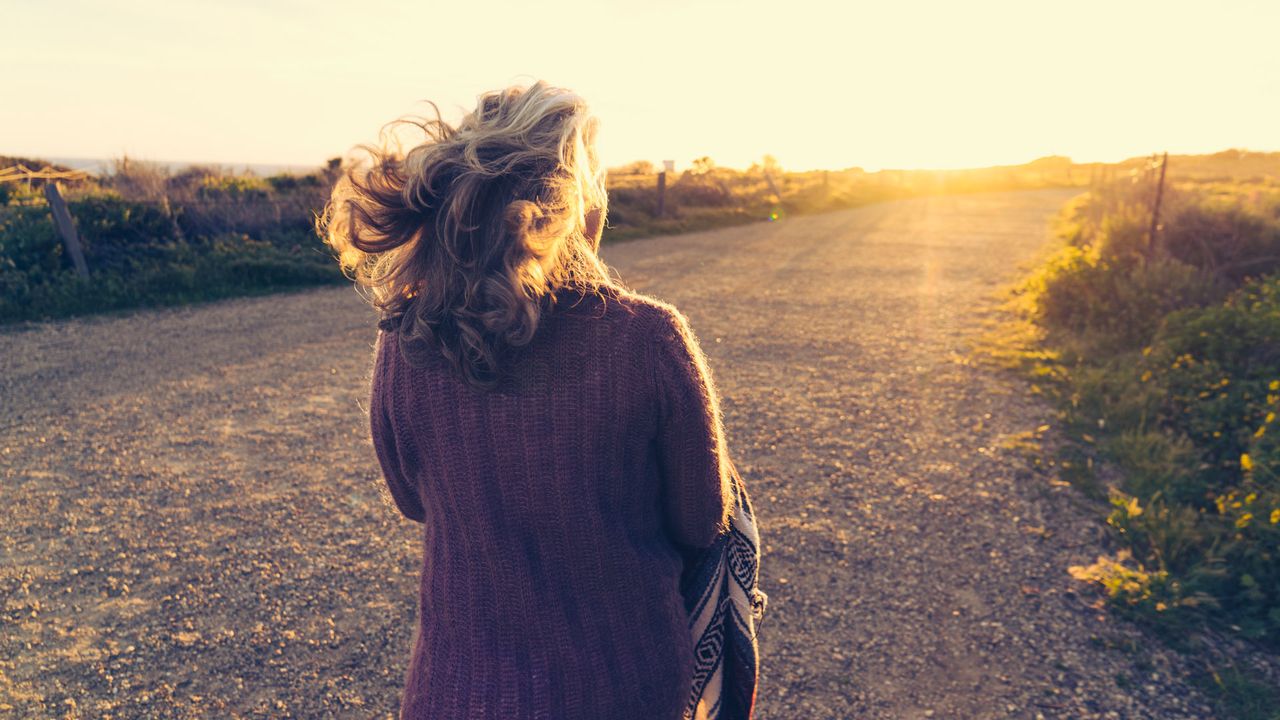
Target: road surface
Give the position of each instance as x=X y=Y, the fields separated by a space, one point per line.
x=195 y=525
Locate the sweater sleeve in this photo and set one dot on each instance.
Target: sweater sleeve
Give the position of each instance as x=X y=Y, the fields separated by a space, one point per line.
x=694 y=461
x=404 y=490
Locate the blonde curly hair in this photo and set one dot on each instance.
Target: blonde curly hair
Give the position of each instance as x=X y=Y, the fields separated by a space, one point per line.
x=462 y=241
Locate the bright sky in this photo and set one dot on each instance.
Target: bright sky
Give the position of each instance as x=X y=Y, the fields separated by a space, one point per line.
x=817 y=84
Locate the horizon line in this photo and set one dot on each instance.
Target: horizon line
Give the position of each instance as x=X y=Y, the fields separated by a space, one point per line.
x=102 y=162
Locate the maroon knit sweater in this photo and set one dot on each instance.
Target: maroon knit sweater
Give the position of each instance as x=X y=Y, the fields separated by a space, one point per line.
x=556 y=511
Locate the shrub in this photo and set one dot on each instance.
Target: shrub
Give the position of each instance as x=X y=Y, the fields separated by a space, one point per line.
x=1173 y=373
x=118 y=235
x=286 y=182
x=1197 y=440
x=232 y=188
x=1113 y=300
x=1216 y=365
x=135 y=260
x=1228 y=241
x=1218 y=368
x=701 y=189
x=630 y=204
x=29 y=241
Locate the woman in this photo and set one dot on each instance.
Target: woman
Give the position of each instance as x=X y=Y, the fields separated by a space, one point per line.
x=557 y=436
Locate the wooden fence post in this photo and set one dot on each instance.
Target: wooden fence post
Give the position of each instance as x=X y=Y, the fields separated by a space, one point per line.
x=167 y=209
x=66 y=226
x=773 y=186
x=1155 y=210
x=662 y=193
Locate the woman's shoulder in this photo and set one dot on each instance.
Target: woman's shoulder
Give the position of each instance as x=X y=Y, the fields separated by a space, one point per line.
x=634 y=313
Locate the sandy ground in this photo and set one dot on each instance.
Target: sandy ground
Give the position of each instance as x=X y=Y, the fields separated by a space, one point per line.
x=194 y=527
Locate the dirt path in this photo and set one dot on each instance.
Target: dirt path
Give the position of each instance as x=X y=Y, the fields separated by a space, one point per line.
x=194 y=526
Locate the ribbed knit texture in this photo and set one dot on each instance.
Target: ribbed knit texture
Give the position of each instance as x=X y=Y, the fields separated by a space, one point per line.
x=556 y=513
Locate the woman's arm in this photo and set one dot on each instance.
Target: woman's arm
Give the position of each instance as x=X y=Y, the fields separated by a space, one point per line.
x=404 y=491
x=696 y=472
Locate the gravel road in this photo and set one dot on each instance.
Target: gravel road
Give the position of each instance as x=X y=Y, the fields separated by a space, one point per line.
x=194 y=527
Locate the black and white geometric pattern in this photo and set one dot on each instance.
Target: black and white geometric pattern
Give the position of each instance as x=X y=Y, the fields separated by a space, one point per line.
x=721 y=593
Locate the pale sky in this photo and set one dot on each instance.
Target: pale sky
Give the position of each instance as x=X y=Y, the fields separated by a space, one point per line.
x=816 y=84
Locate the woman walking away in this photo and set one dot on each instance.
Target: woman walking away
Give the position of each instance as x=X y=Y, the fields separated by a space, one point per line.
x=557 y=435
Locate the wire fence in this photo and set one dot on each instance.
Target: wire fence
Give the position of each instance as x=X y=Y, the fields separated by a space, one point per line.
x=1140 y=191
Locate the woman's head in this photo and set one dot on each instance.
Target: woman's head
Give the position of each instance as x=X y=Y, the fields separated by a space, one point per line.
x=462 y=239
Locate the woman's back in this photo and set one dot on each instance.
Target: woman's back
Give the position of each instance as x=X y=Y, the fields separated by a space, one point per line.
x=558 y=436
x=555 y=507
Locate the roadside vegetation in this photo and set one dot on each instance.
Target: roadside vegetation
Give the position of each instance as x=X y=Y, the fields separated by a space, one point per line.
x=706 y=196
x=1163 y=354
x=152 y=236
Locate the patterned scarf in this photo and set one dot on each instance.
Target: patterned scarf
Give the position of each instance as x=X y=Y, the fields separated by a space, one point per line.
x=721 y=594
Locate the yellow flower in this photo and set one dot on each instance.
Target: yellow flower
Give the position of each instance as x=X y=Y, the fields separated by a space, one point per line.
x=1261 y=429
x=1275 y=516
x=1146 y=376
x=1246 y=462
x=1248 y=499
x=1271 y=417
x=1133 y=509
x=1243 y=521
x=1275 y=385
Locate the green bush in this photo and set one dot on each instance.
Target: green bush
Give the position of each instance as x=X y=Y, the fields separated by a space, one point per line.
x=1215 y=366
x=1219 y=370
x=1174 y=376
x=153 y=237
x=232 y=187
x=29 y=241
x=1107 y=284
x=114 y=235
x=1107 y=295
x=36 y=282
x=286 y=182
x=118 y=235
x=1227 y=240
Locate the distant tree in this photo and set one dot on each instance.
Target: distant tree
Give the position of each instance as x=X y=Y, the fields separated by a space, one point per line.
x=768 y=165
x=702 y=166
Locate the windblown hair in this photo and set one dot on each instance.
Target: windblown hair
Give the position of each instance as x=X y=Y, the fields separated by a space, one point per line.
x=463 y=241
